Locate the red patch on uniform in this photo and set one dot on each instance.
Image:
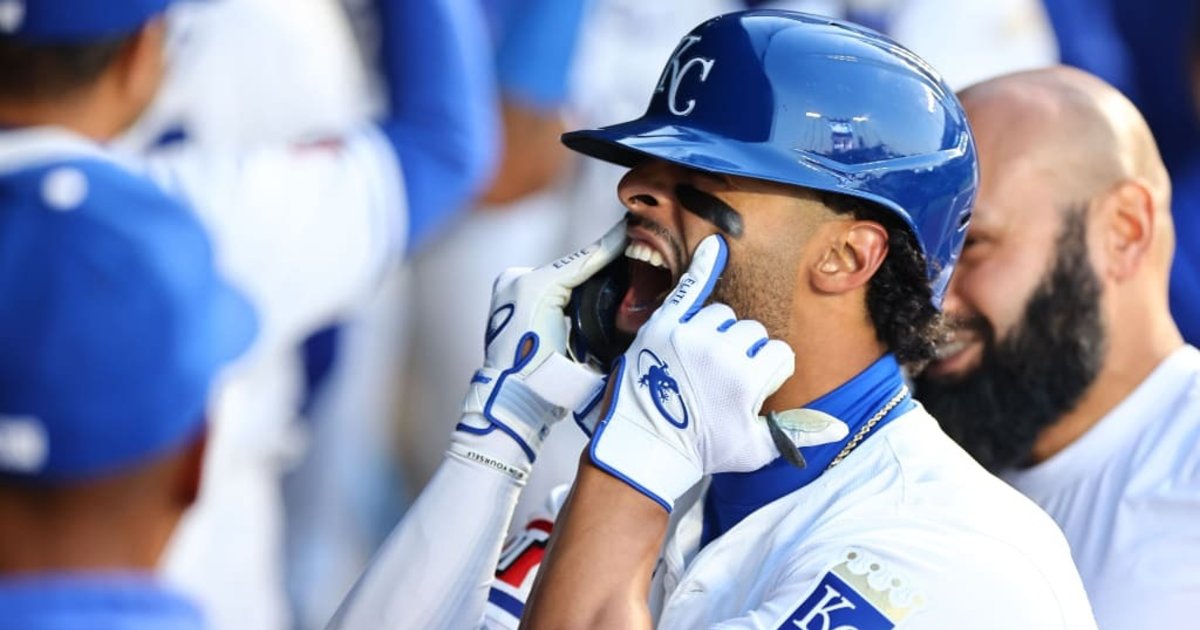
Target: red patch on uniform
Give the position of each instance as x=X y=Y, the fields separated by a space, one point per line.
x=332 y=144
x=523 y=553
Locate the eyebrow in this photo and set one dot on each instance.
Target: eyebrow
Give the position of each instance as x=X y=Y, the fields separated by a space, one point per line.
x=711 y=209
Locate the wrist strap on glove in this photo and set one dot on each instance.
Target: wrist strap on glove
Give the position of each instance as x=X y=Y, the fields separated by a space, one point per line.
x=522 y=408
x=637 y=456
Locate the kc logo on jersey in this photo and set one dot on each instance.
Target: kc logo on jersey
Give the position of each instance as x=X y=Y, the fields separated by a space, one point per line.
x=676 y=71
x=664 y=390
x=835 y=605
x=860 y=593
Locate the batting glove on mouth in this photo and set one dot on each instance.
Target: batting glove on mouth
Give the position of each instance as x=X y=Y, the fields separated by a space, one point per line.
x=688 y=391
x=527 y=383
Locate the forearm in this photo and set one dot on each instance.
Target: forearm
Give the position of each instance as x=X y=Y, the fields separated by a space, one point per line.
x=532 y=156
x=533 y=62
x=435 y=569
x=598 y=568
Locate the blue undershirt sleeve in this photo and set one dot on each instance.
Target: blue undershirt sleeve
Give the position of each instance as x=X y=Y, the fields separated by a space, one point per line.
x=1088 y=38
x=537 y=46
x=443 y=115
x=1185 y=268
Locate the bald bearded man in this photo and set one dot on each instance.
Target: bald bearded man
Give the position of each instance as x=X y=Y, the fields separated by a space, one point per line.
x=1066 y=373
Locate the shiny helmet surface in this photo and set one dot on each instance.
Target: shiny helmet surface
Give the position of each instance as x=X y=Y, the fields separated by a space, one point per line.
x=812 y=102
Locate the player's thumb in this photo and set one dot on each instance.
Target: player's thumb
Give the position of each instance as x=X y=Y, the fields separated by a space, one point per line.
x=696 y=284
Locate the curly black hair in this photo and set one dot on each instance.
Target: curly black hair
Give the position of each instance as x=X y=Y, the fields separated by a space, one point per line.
x=35 y=72
x=899 y=295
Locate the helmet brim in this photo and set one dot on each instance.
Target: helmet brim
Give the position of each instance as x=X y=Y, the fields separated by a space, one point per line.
x=631 y=143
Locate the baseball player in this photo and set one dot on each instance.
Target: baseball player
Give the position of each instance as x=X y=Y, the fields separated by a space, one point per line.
x=1066 y=373
x=305 y=230
x=113 y=325
x=609 y=79
x=247 y=74
x=813 y=180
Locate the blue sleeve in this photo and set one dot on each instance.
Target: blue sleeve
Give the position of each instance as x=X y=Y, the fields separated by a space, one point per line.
x=1088 y=38
x=443 y=113
x=1185 y=294
x=1185 y=268
x=537 y=45
x=1161 y=43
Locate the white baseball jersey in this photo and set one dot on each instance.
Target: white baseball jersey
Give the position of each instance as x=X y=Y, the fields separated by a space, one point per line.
x=246 y=73
x=1127 y=495
x=908 y=532
x=306 y=231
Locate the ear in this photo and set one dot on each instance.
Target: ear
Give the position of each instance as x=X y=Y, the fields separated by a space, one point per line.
x=191 y=470
x=854 y=254
x=1129 y=223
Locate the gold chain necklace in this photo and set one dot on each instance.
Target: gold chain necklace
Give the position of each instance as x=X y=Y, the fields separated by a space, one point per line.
x=866 y=428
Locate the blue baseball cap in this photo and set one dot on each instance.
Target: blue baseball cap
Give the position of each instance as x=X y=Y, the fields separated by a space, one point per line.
x=113 y=321
x=74 y=21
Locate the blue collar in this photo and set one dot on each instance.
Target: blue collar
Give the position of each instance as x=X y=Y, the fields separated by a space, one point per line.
x=733 y=496
x=95 y=601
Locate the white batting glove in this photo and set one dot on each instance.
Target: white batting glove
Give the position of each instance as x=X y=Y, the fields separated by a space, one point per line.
x=689 y=389
x=527 y=383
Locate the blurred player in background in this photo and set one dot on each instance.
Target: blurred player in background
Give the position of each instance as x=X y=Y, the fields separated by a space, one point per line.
x=244 y=75
x=1067 y=374
x=305 y=230
x=817 y=178
x=113 y=325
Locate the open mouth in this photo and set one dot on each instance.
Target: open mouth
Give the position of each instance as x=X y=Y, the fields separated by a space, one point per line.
x=950 y=348
x=650 y=280
x=956 y=355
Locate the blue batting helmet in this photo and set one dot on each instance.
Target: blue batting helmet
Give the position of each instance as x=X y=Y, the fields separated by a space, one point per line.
x=817 y=103
x=75 y=21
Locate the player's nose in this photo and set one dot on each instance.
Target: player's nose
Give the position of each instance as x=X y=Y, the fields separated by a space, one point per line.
x=649 y=188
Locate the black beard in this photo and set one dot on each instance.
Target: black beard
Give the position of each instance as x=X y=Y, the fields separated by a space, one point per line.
x=1035 y=374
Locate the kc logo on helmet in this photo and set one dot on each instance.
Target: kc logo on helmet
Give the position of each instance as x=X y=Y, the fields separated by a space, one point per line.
x=674 y=73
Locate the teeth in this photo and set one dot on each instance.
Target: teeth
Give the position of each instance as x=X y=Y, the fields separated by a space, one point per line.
x=950 y=349
x=639 y=251
x=643 y=252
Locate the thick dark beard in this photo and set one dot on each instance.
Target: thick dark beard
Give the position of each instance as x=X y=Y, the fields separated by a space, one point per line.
x=1038 y=372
